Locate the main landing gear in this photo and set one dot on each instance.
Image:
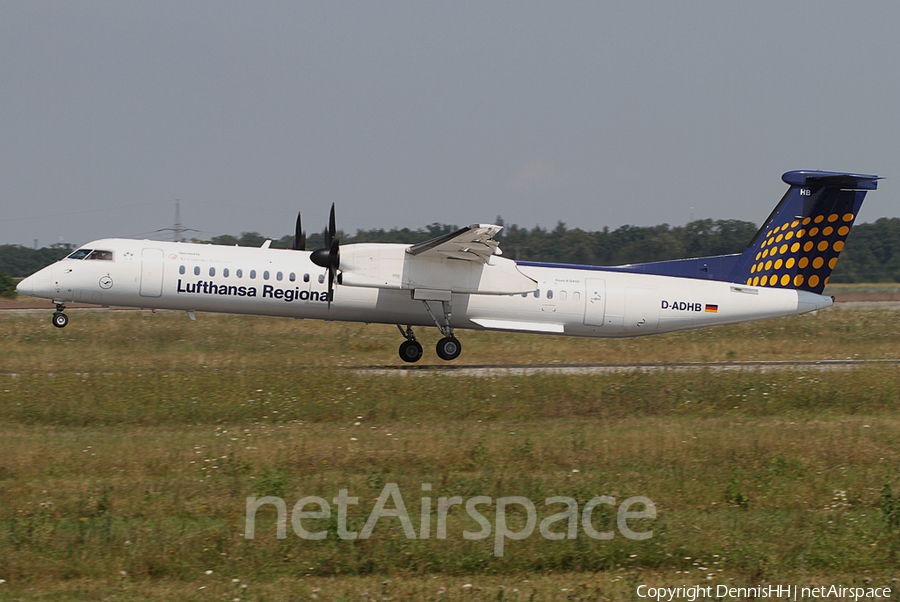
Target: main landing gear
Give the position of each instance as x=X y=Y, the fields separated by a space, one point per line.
x=448 y=348
x=410 y=349
x=60 y=319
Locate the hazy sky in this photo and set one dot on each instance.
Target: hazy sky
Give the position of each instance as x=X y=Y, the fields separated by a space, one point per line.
x=403 y=114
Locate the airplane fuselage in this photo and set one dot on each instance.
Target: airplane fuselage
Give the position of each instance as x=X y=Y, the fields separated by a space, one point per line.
x=275 y=282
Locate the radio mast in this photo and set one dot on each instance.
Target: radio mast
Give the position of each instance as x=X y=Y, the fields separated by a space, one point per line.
x=178 y=229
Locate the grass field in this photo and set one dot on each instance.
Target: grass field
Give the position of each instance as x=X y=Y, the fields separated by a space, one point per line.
x=129 y=443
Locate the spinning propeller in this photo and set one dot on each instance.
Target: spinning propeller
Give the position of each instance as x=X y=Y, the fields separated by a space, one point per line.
x=299 y=236
x=329 y=256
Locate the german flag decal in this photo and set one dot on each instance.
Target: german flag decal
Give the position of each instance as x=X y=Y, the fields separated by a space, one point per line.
x=712 y=308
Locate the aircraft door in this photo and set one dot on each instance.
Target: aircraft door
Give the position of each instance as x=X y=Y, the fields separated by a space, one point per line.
x=594 y=302
x=151 y=273
x=641 y=309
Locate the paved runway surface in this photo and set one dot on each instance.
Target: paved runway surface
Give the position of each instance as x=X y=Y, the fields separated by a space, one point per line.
x=528 y=369
x=491 y=370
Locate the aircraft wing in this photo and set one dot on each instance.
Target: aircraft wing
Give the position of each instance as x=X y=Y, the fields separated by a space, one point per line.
x=472 y=243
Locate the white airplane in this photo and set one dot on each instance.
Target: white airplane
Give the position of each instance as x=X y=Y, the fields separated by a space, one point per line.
x=461 y=281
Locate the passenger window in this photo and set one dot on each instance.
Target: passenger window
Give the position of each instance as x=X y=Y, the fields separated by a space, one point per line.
x=321 y=278
x=196 y=270
x=293 y=276
x=305 y=277
x=252 y=274
x=239 y=273
x=524 y=295
x=266 y=275
x=181 y=269
x=576 y=296
x=549 y=294
x=537 y=294
x=278 y=276
x=562 y=295
x=225 y=272
x=212 y=271
x=80 y=254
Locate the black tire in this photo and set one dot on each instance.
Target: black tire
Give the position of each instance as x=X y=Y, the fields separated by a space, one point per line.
x=449 y=348
x=410 y=351
x=60 y=319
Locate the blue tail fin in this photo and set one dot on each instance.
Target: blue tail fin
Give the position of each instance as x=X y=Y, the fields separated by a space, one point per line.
x=798 y=245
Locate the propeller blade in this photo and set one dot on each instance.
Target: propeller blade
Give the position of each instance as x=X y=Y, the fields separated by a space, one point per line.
x=330 y=287
x=332 y=231
x=334 y=256
x=299 y=236
x=329 y=256
x=334 y=263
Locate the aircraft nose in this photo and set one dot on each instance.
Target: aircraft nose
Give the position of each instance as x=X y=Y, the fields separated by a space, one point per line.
x=26 y=287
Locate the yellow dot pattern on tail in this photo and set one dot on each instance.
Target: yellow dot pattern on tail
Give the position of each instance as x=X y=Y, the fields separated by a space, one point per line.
x=810 y=258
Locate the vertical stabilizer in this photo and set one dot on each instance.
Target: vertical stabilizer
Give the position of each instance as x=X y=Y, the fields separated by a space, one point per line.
x=798 y=245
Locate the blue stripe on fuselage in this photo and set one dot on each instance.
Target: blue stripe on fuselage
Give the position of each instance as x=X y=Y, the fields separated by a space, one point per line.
x=704 y=268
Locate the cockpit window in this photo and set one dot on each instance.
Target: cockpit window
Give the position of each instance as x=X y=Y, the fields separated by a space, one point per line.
x=80 y=254
x=101 y=255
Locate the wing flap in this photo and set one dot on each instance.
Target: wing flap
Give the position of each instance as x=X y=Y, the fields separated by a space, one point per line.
x=472 y=243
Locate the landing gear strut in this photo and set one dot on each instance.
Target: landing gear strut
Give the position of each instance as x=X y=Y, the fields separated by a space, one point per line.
x=410 y=349
x=59 y=318
x=449 y=347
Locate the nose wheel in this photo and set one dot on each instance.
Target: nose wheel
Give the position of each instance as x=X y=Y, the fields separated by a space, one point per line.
x=60 y=319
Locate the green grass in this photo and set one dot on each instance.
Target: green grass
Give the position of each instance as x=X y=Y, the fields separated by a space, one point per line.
x=129 y=443
x=133 y=341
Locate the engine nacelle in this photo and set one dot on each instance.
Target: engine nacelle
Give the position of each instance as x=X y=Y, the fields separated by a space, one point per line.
x=379 y=265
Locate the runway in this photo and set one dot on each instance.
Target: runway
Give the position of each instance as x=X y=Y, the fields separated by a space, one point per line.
x=489 y=370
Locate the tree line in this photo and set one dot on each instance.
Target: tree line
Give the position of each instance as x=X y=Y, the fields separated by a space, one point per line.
x=872 y=253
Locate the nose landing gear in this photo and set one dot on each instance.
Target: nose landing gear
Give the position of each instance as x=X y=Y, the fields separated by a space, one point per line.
x=60 y=319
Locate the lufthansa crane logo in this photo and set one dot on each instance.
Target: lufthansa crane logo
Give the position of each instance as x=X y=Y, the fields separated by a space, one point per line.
x=106 y=282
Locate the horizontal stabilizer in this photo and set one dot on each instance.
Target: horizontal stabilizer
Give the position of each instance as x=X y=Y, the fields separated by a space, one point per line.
x=831 y=179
